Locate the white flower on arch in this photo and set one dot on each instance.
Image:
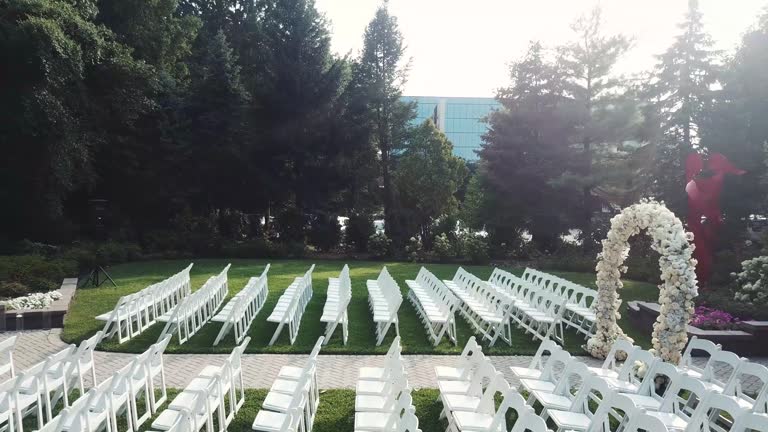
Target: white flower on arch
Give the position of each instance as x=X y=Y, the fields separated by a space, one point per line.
x=678 y=276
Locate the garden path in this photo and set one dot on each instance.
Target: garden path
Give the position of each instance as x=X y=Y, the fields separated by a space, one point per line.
x=334 y=371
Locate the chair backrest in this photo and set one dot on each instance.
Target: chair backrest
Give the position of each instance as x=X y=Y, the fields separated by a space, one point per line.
x=512 y=400
x=546 y=346
x=701 y=346
x=722 y=368
x=408 y=423
x=557 y=360
x=614 y=408
x=681 y=396
x=718 y=412
x=7 y=389
x=60 y=361
x=574 y=373
x=530 y=422
x=6 y=356
x=619 y=345
x=754 y=373
x=638 y=358
x=659 y=379
x=751 y=422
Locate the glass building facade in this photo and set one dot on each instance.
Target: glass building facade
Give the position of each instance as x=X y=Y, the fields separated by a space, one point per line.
x=460 y=118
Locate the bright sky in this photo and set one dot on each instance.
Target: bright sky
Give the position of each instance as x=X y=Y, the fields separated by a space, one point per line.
x=463 y=47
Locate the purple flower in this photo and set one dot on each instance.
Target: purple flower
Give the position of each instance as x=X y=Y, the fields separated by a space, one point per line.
x=712 y=319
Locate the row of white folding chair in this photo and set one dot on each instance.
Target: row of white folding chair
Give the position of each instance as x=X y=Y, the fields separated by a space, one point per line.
x=383 y=396
x=194 y=311
x=556 y=392
x=100 y=406
x=435 y=304
x=291 y=305
x=541 y=315
x=212 y=398
x=137 y=311
x=384 y=300
x=579 y=308
x=6 y=356
x=337 y=299
x=242 y=308
x=50 y=380
x=485 y=307
x=292 y=401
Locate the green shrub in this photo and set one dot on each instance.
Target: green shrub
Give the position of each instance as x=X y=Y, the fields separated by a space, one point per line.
x=291 y=225
x=359 y=228
x=256 y=248
x=324 y=232
x=12 y=289
x=295 y=249
x=413 y=249
x=444 y=249
x=475 y=248
x=379 y=245
x=36 y=273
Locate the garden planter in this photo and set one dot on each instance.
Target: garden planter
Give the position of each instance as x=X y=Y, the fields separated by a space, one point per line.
x=748 y=340
x=32 y=319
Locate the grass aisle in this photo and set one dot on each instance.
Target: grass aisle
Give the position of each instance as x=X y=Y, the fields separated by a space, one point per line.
x=132 y=277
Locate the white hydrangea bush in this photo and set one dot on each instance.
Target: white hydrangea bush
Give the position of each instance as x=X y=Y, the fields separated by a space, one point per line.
x=752 y=282
x=34 y=301
x=676 y=293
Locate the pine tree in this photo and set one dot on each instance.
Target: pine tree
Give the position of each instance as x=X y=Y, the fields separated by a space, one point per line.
x=526 y=149
x=681 y=89
x=607 y=117
x=382 y=76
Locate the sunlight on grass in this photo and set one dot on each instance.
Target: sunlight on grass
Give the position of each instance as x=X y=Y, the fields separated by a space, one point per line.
x=132 y=277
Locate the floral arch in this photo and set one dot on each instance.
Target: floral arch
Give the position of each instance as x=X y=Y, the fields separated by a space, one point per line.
x=678 y=276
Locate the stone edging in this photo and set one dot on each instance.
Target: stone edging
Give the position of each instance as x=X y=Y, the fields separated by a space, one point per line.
x=50 y=317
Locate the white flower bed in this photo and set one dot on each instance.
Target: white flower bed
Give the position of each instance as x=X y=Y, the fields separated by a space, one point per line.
x=678 y=288
x=34 y=301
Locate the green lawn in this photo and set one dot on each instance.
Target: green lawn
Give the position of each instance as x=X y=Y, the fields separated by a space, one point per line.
x=132 y=277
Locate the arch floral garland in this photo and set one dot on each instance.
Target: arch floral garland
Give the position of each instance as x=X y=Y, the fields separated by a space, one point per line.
x=678 y=288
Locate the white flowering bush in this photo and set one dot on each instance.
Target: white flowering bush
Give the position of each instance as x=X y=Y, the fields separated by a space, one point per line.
x=752 y=282
x=678 y=276
x=34 y=301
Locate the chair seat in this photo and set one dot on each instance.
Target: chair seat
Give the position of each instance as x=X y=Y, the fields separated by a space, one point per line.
x=568 y=420
x=552 y=400
x=278 y=402
x=372 y=421
x=268 y=421
x=531 y=385
x=607 y=373
x=372 y=403
x=472 y=421
x=284 y=386
x=460 y=402
x=168 y=418
x=290 y=372
x=372 y=373
x=453 y=387
x=524 y=372
x=448 y=373
x=370 y=387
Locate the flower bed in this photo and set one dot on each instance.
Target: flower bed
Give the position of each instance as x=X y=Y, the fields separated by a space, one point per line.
x=33 y=301
x=707 y=318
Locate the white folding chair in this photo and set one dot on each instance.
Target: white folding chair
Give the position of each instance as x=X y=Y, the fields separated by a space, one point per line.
x=756 y=399
x=627 y=380
x=611 y=366
x=156 y=369
x=381 y=373
x=536 y=366
x=338 y=296
x=721 y=370
x=292 y=421
x=717 y=413
x=682 y=404
x=384 y=300
x=6 y=356
x=435 y=304
x=468 y=360
x=562 y=397
x=651 y=394
x=291 y=305
x=385 y=421
x=549 y=376
x=83 y=363
x=701 y=346
x=490 y=419
x=642 y=422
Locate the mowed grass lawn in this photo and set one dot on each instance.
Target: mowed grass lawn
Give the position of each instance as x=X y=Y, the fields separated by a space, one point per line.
x=132 y=277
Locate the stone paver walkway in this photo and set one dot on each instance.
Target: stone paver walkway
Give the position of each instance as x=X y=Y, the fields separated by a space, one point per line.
x=334 y=371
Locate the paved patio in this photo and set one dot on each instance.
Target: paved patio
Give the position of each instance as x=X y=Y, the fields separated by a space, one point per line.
x=334 y=371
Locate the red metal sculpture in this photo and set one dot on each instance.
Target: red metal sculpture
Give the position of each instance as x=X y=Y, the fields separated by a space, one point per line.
x=704 y=182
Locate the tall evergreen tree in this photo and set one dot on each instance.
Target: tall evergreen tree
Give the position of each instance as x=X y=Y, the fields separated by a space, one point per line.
x=681 y=90
x=382 y=76
x=606 y=117
x=300 y=82
x=526 y=147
